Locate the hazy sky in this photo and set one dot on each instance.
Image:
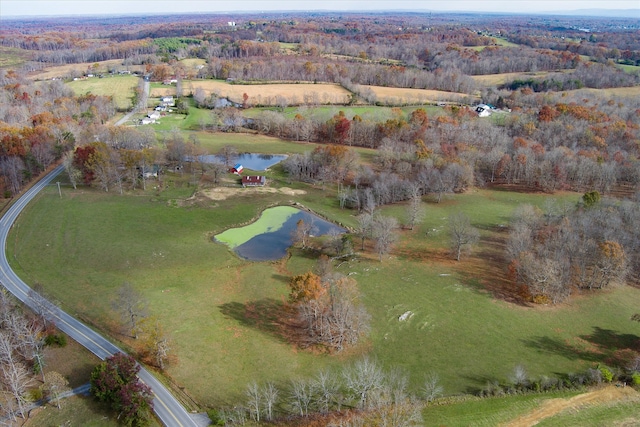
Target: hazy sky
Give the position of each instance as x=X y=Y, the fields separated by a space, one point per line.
x=92 y=7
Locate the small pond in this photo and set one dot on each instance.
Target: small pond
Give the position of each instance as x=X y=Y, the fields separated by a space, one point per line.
x=253 y=161
x=268 y=238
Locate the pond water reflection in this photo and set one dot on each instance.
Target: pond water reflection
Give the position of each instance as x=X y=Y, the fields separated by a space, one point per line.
x=268 y=238
x=253 y=161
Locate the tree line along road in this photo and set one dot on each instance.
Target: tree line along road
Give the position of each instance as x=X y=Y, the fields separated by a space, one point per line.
x=170 y=412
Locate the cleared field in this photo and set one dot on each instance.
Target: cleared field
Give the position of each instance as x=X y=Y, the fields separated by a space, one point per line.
x=220 y=310
x=12 y=57
x=403 y=96
x=623 y=92
x=264 y=94
x=119 y=87
x=608 y=405
x=498 y=79
x=76 y=70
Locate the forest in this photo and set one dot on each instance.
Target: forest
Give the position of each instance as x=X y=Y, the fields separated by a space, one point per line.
x=563 y=95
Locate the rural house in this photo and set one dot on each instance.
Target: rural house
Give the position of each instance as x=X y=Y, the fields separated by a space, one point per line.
x=237 y=169
x=253 y=181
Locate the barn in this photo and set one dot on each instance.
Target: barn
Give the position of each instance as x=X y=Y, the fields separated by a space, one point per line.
x=237 y=169
x=253 y=181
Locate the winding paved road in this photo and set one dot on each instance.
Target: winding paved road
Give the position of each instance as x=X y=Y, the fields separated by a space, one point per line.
x=166 y=407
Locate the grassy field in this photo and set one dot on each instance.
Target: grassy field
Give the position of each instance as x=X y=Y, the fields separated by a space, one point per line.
x=600 y=407
x=119 y=87
x=403 y=96
x=263 y=94
x=64 y=71
x=219 y=309
x=12 y=57
x=488 y=80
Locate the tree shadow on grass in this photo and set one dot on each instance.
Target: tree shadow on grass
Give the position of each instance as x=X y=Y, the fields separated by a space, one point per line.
x=266 y=315
x=601 y=346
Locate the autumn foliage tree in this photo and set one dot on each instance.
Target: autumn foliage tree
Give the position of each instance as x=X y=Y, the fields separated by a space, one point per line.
x=329 y=310
x=115 y=382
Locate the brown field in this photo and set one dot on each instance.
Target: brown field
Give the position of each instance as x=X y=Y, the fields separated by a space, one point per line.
x=76 y=70
x=400 y=96
x=264 y=94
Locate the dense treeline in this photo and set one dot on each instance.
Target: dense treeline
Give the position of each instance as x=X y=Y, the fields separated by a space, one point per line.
x=423 y=42
x=564 y=250
x=39 y=123
x=566 y=143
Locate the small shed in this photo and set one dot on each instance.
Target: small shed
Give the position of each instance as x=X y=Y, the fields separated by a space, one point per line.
x=237 y=169
x=254 y=181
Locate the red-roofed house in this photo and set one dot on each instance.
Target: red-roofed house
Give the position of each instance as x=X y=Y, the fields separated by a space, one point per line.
x=253 y=181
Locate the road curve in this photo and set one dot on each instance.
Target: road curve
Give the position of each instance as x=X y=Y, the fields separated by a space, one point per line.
x=170 y=412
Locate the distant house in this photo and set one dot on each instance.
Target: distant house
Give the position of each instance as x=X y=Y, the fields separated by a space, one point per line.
x=253 y=181
x=237 y=169
x=154 y=116
x=483 y=110
x=167 y=101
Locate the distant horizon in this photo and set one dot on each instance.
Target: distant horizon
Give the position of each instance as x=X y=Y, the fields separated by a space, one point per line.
x=17 y=9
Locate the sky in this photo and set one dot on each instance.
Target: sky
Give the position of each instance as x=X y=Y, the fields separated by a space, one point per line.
x=11 y=8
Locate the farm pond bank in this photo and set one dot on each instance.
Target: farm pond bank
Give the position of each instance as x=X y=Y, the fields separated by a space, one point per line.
x=270 y=236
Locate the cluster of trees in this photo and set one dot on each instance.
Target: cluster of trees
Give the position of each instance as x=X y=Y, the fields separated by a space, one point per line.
x=23 y=337
x=329 y=309
x=564 y=249
x=115 y=382
x=375 y=397
x=133 y=309
x=39 y=123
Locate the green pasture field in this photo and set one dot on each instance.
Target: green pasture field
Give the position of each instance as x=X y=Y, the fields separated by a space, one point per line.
x=487 y=412
x=629 y=68
x=617 y=414
x=219 y=309
x=119 y=87
x=12 y=57
x=76 y=411
x=324 y=113
x=501 y=410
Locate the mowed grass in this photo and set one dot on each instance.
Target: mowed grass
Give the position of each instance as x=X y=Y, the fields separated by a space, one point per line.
x=76 y=411
x=487 y=412
x=219 y=309
x=555 y=409
x=119 y=87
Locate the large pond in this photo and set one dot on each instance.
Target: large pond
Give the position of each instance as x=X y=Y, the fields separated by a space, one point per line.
x=253 y=161
x=269 y=237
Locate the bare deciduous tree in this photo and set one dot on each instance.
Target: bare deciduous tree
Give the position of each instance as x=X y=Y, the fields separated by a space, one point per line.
x=463 y=235
x=384 y=233
x=132 y=307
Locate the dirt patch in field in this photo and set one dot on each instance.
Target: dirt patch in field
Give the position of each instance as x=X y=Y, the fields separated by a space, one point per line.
x=604 y=396
x=223 y=193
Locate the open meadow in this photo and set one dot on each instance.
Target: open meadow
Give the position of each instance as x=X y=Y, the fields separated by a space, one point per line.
x=119 y=87
x=220 y=311
x=263 y=94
